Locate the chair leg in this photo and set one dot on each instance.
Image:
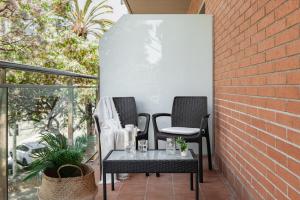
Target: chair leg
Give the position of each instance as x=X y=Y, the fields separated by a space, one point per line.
x=156 y=143
x=136 y=144
x=156 y=147
x=208 y=152
x=200 y=161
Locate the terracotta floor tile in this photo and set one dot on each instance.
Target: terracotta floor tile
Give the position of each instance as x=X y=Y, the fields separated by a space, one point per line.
x=182 y=188
x=160 y=196
x=162 y=178
x=132 y=196
x=188 y=196
x=133 y=188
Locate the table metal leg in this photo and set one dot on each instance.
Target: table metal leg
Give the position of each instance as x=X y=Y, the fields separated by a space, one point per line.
x=104 y=186
x=192 y=181
x=112 y=182
x=197 y=185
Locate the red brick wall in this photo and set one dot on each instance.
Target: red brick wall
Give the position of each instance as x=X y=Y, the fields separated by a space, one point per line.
x=257 y=95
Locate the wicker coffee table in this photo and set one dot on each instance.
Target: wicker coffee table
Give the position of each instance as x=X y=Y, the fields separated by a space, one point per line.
x=152 y=161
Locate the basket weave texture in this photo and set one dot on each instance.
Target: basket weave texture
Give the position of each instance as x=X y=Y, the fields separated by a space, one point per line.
x=74 y=188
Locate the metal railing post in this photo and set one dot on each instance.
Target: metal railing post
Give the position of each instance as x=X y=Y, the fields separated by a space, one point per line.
x=70 y=110
x=3 y=136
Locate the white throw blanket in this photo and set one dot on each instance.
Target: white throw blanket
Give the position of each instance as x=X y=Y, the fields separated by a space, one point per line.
x=112 y=134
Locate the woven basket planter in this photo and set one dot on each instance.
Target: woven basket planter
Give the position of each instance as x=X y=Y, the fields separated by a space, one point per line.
x=76 y=188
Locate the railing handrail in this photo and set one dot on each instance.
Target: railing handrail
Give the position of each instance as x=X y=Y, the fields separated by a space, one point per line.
x=39 y=69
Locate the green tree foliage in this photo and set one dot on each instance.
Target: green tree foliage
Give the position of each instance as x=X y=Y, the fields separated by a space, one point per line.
x=51 y=34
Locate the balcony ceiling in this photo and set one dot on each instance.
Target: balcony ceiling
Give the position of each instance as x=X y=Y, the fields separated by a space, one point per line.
x=163 y=6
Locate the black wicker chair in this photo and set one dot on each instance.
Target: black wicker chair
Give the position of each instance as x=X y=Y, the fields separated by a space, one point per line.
x=190 y=113
x=126 y=108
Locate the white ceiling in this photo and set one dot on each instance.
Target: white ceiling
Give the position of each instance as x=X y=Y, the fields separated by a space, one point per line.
x=159 y=6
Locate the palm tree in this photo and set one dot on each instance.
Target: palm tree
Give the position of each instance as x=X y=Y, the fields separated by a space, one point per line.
x=86 y=20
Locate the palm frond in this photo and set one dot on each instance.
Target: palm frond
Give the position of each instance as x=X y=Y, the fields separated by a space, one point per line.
x=97 y=6
x=86 y=6
x=105 y=10
x=76 y=6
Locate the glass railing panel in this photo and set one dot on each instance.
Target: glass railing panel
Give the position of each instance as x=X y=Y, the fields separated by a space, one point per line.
x=83 y=124
x=35 y=109
x=3 y=139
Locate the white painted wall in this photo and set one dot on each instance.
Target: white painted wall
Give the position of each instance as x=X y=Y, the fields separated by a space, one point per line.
x=157 y=57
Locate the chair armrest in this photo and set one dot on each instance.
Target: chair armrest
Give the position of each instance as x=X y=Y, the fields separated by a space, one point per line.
x=147 y=116
x=154 y=116
x=204 y=122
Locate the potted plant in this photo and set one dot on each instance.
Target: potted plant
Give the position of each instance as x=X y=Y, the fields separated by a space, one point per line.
x=63 y=174
x=182 y=146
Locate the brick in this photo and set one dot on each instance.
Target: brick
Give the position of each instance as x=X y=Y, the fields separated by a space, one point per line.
x=258 y=37
x=251 y=10
x=287 y=35
x=293 y=194
x=250 y=31
x=279 y=195
x=245 y=43
x=289 y=177
x=244 y=7
x=276 y=78
x=261 y=3
x=275 y=53
x=266 y=91
x=266 y=21
x=258 y=58
x=257 y=144
x=294 y=166
x=291 y=92
x=245 y=25
x=257 y=15
x=287 y=63
x=288 y=120
x=293 y=18
x=268 y=139
x=276 y=130
x=258 y=123
x=289 y=149
x=293 y=137
x=273 y=177
x=245 y=62
x=271 y=5
x=265 y=68
x=277 y=156
x=284 y=119
x=293 y=48
x=266 y=44
x=275 y=27
x=286 y=8
x=293 y=77
x=249 y=51
x=293 y=107
x=276 y=104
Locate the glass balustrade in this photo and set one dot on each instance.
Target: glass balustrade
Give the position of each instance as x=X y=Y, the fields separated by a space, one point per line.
x=27 y=110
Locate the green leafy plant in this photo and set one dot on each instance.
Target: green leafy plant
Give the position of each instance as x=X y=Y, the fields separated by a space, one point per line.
x=182 y=144
x=56 y=153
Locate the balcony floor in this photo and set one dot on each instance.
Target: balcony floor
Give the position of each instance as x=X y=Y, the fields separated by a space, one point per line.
x=167 y=187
